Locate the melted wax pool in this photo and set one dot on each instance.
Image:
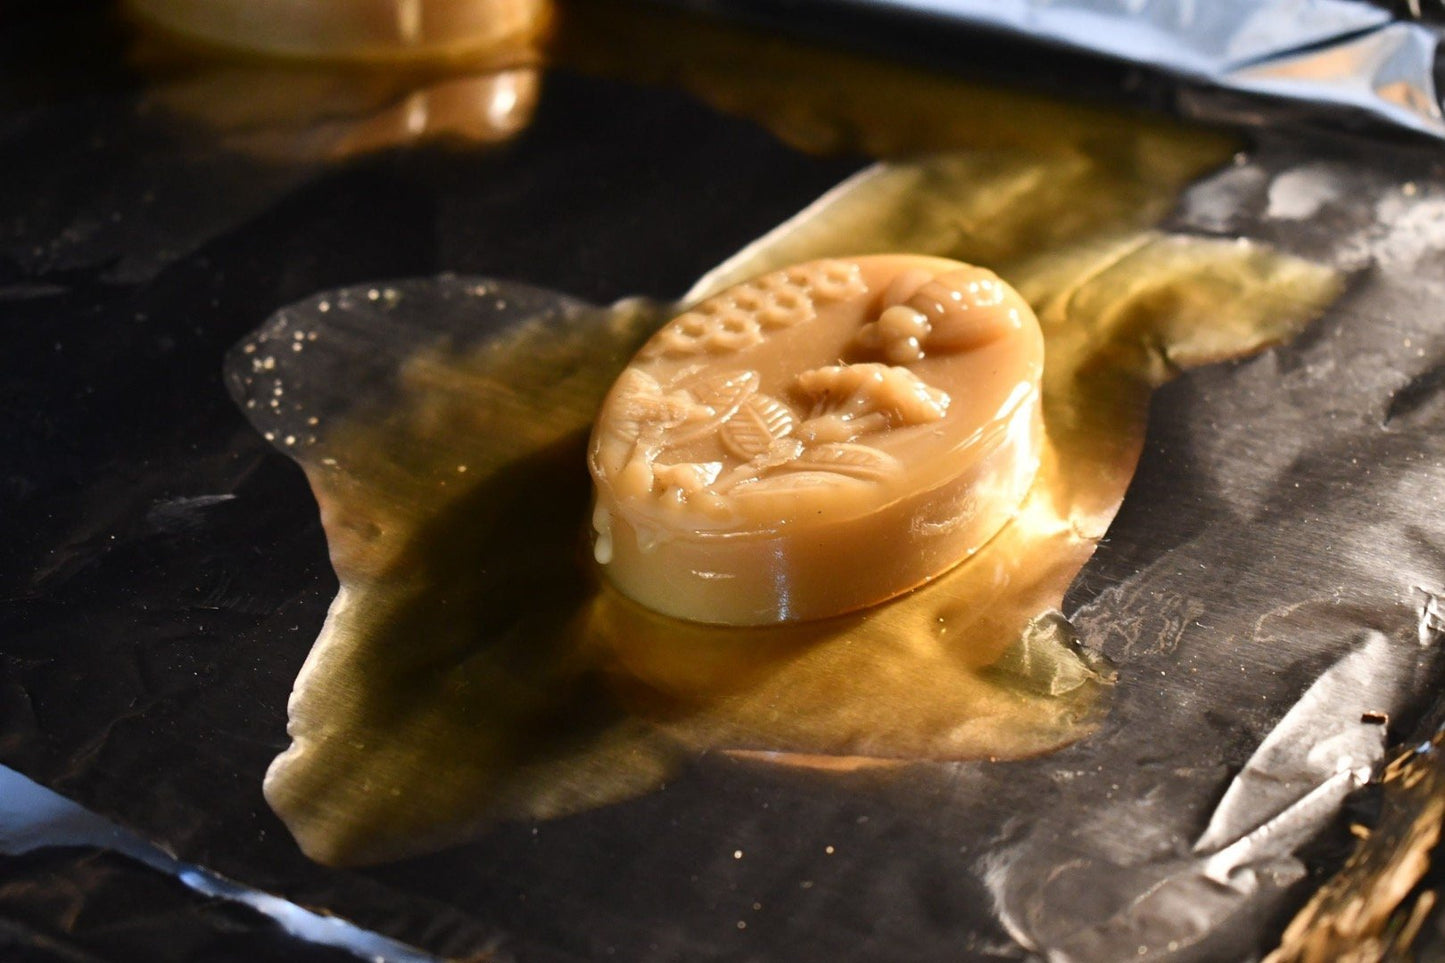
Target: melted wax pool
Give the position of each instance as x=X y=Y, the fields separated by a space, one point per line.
x=473 y=668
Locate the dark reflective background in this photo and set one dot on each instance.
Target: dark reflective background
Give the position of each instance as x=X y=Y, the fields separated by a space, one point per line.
x=163 y=573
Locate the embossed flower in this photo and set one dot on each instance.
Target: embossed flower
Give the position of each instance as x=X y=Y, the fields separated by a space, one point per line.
x=852 y=399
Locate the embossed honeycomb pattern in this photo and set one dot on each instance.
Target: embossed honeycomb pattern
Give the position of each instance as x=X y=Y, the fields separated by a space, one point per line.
x=738 y=318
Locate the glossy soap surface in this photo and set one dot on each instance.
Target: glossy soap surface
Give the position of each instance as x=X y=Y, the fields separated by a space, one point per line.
x=817 y=439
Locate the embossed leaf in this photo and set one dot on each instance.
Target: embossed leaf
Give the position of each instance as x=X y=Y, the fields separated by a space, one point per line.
x=863 y=462
x=780 y=452
x=634 y=384
x=639 y=402
x=724 y=391
x=759 y=421
x=724 y=394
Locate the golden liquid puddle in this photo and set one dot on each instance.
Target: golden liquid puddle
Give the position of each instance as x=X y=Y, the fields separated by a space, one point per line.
x=472 y=668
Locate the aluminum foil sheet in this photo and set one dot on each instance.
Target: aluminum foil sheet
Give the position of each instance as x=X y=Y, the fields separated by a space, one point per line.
x=1321 y=55
x=1266 y=596
x=1269 y=594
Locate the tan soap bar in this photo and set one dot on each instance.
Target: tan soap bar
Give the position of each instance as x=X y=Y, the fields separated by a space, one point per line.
x=817 y=440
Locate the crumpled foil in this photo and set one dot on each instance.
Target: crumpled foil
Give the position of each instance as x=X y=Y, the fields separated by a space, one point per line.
x=1269 y=596
x=1319 y=55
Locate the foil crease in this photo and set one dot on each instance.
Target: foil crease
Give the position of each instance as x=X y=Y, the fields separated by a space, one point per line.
x=1321 y=54
x=1359 y=596
x=1150 y=848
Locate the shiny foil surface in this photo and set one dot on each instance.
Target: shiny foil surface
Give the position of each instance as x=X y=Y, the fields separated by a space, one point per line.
x=1262 y=613
x=1321 y=57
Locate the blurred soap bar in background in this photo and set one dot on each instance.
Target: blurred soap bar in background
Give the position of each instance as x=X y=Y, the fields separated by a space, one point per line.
x=349 y=29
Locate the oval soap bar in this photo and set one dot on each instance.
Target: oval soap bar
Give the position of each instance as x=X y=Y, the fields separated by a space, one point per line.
x=817 y=440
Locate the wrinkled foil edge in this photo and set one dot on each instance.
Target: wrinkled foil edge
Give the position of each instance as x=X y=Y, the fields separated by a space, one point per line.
x=1325 y=55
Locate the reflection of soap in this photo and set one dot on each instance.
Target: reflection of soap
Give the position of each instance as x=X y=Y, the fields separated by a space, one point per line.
x=817 y=440
x=351 y=30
